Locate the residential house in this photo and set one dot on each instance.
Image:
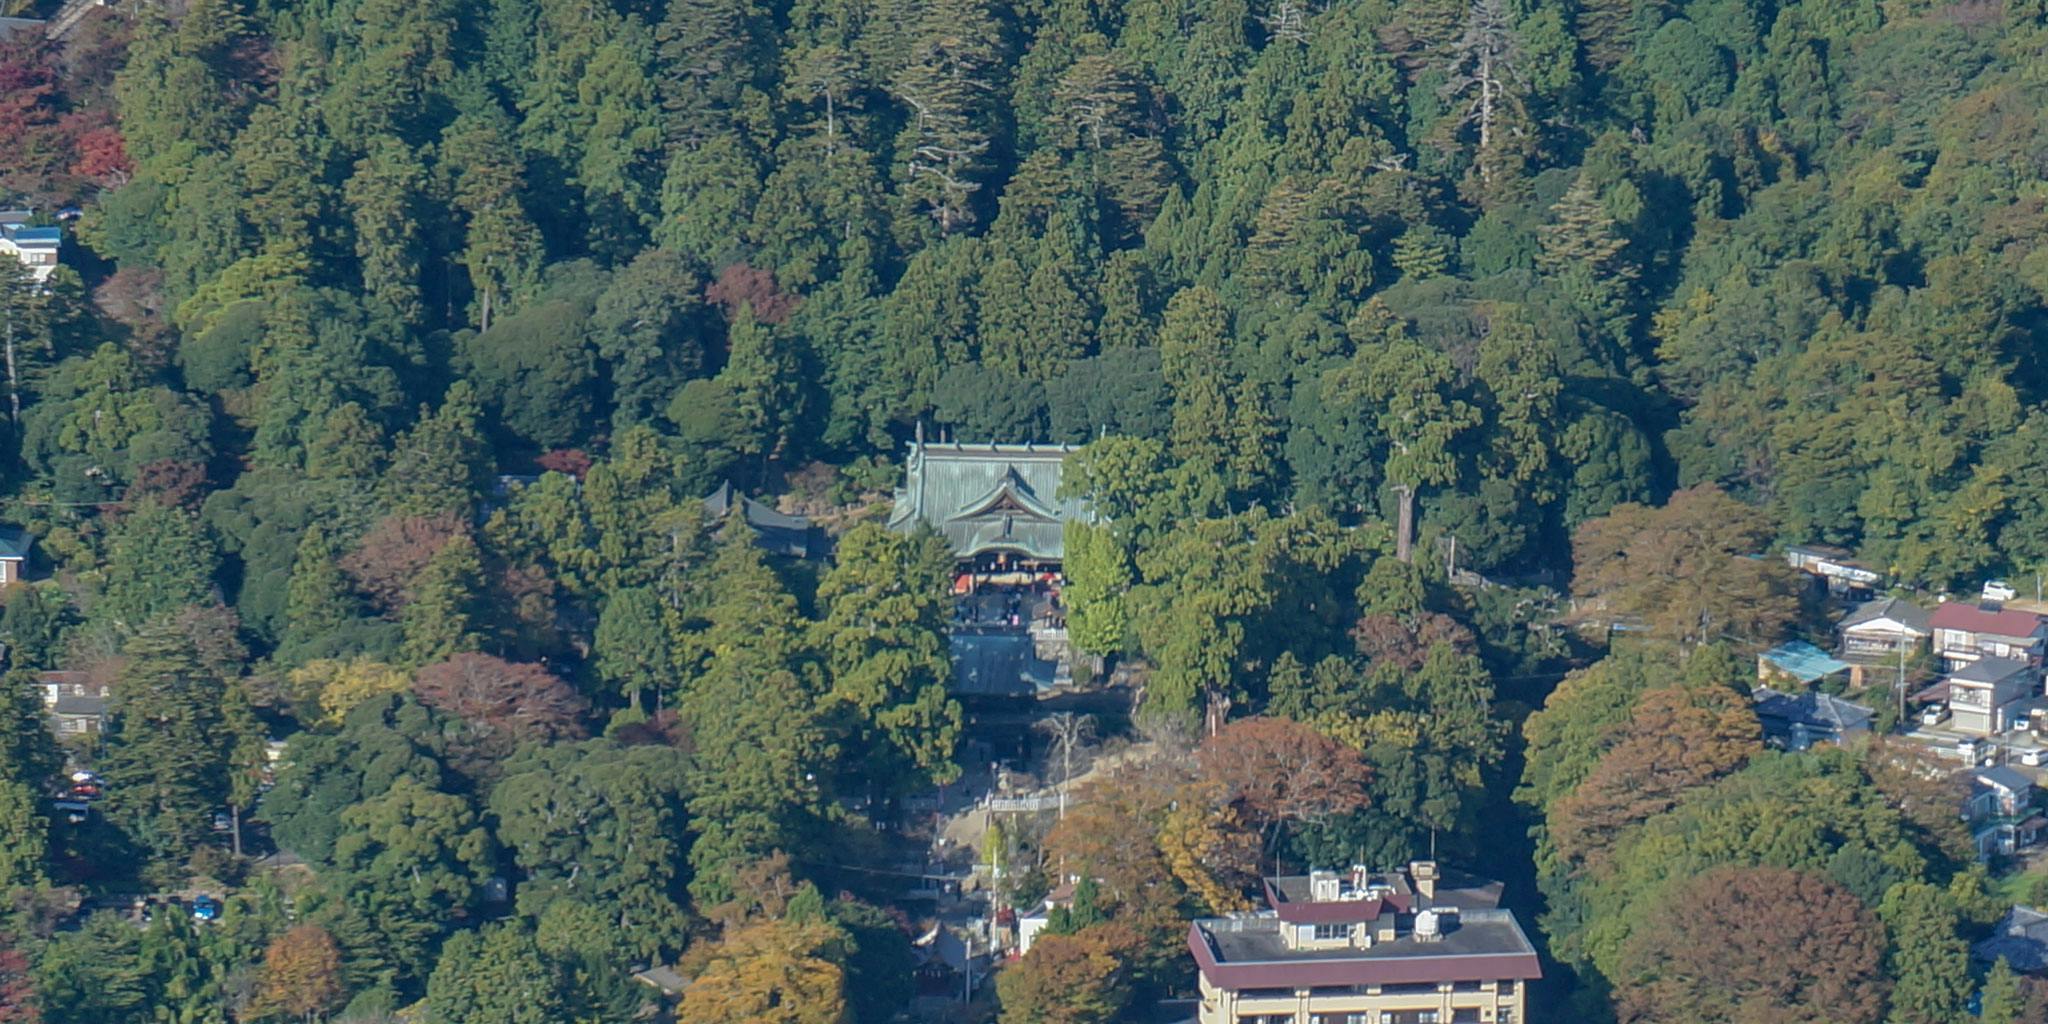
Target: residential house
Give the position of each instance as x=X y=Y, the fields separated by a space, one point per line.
x=14 y=547
x=997 y=505
x=1965 y=632
x=1400 y=947
x=77 y=703
x=774 y=532
x=35 y=247
x=1798 y=662
x=1881 y=636
x=1989 y=695
x=2000 y=811
x=2021 y=941
x=1834 y=568
x=1797 y=721
x=1030 y=925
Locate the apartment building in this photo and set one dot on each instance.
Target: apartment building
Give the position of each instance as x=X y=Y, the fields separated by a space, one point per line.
x=1421 y=945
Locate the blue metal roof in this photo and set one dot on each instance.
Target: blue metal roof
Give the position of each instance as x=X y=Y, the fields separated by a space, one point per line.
x=1803 y=661
x=30 y=235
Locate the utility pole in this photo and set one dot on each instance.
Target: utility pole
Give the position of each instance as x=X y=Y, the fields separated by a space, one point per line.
x=1902 y=684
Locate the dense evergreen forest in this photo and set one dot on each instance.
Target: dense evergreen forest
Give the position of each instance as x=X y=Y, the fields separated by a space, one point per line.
x=396 y=343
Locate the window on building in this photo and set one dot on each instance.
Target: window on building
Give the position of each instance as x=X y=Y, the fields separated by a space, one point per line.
x=1265 y=993
x=1332 y=932
x=1507 y=986
x=1340 y=1018
x=1411 y=989
x=1465 y=1015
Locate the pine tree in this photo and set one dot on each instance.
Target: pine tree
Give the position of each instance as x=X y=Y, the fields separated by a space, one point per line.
x=283 y=155
x=439 y=466
x=753 y=713
x=712 y=50
x=168 y=747
x=159 y=562
x=761 y=375
x=632 y=645
x=383 y=196
x=2003 y=1001
x=1410 y=388
x=1486 y=89
x=1220 y=435
x=29 y=755
x=886 y=602
x=440 y=621
x=318 y=599
x=1585 y=252
x=1929 y=964
x=349 y=446
x=501 y=247
x=1126 y=303
x=1520 y=370
x=946 y=86
x=24 y=838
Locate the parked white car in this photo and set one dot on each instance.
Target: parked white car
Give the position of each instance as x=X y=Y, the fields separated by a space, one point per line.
x=2033 y=757
x=1999 y=590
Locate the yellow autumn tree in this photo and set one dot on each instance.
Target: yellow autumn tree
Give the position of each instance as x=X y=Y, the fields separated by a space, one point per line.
x=338 y=686
x=768 y=972
x=1209 y=848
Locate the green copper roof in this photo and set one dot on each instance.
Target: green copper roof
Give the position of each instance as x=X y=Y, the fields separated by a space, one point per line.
x=988 y=497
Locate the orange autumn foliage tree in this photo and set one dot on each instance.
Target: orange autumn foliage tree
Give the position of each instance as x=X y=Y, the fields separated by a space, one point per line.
x=1677 y=739
x=1684 y=571
x=1071 y=979
x=1755 y=946
x=301 y=974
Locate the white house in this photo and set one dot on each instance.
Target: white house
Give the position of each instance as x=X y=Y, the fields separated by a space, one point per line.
x=35 y=247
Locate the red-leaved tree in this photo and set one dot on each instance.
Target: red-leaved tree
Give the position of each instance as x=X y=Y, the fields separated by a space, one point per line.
x=394 y=553
x=1280 y=771
x=17 y=992
x=742 y=285
x=504 y=703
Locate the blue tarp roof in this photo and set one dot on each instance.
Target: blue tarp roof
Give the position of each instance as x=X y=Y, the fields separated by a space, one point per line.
x=1803 y=661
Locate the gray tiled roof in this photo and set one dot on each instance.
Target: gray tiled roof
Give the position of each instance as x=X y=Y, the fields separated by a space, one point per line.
x=2003 y=777
x=773 y=531
x=1813 y=709
x=988 y=497
x=2022 y=941
x=1988 y=670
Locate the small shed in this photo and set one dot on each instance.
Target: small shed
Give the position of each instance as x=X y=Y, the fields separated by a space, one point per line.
x=1798 y=662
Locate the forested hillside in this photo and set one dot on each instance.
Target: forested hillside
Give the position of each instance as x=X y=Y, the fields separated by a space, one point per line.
x=396 y=341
